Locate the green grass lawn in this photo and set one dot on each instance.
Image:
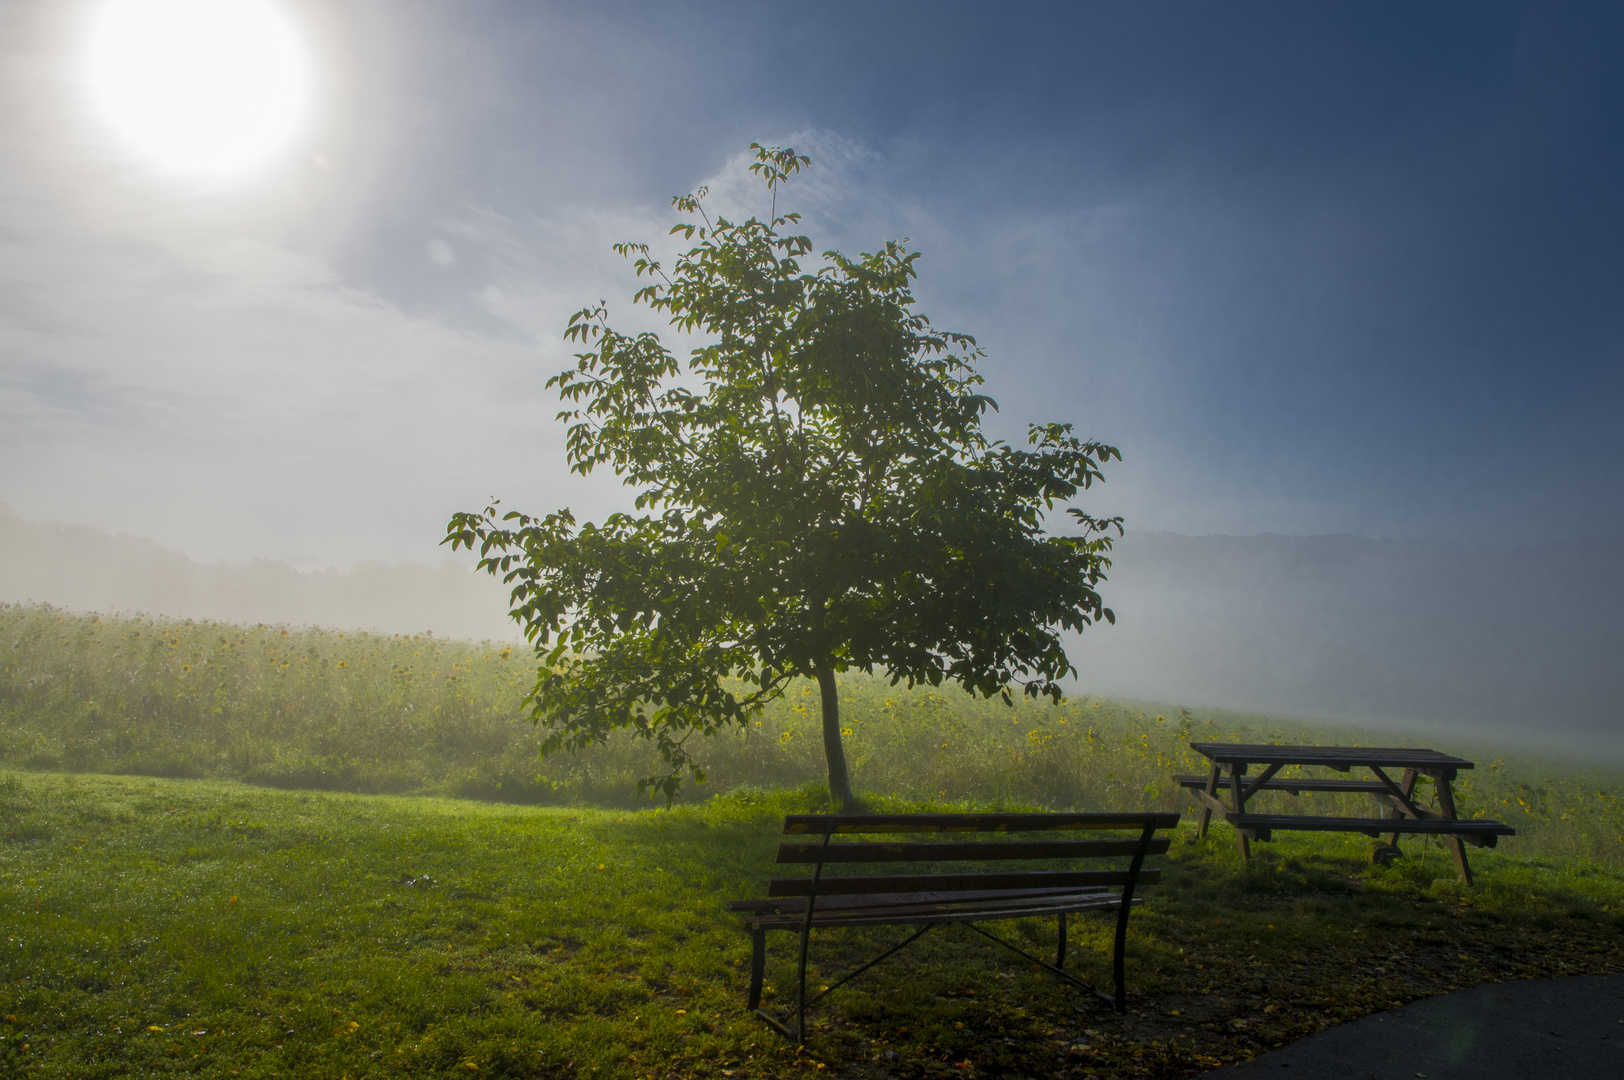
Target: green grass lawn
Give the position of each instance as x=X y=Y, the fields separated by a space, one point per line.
x=169 y=927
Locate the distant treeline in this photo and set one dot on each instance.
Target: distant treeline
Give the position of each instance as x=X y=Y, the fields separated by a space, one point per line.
x=305 y=708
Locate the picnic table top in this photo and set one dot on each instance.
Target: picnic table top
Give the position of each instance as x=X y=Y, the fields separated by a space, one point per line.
x=1402 y=757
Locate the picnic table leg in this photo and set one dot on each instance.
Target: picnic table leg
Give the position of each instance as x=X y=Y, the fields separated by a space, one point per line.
x=1446 y=804
x=1242 y=841
x=758 y=965
x=1060 y=952
x=1407 y=785
x=1206 y=808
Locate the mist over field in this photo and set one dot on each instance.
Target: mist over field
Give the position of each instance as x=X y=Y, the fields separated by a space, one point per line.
x=1515 y=641
x=1508 y=642
x=84 y=569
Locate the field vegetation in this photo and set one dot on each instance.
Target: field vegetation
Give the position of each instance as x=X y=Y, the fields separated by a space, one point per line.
x=319 y=709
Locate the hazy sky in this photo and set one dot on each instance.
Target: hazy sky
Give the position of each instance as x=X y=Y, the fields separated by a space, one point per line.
x=1315 y=268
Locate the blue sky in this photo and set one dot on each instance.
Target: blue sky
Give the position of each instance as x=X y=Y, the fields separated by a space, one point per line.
x=1314 y=268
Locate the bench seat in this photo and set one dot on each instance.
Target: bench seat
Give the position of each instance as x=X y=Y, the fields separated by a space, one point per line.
x=921 y=908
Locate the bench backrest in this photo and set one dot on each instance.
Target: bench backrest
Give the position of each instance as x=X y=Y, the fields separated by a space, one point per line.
x=824 y=845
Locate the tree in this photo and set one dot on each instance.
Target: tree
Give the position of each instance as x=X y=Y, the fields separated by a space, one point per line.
x=815 y=494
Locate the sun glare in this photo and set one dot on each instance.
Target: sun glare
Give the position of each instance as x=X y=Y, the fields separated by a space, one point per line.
x=205 y=87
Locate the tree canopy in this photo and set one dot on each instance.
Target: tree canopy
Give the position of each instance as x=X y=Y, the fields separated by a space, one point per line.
x=814 y=493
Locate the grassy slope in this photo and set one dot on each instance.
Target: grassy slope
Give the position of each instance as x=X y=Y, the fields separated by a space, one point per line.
x=312 y=709
x=199 y=927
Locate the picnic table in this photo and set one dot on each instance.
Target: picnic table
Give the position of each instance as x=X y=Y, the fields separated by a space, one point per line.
x=1227 y=777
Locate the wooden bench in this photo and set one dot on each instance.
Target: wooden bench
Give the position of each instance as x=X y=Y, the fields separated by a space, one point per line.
x=927 y=896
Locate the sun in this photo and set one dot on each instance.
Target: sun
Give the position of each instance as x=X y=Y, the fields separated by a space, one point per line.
x=201 y=87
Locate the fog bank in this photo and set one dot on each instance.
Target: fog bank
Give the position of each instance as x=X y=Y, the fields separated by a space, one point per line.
x=1523 y=642
x=84 y=569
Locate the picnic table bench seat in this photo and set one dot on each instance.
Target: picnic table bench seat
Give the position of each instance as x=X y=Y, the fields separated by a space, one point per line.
x=1483 y=833
x=1296 y=784
x=927 y=896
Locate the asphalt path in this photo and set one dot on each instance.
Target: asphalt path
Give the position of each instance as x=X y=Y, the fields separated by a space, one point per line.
x=1562 y=1029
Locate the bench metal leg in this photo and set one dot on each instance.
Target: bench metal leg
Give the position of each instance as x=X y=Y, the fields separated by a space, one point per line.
x=800 y=987
x=806 y=940
x=1119 y=972
x=1080 y=984
x=1060 y=952
x=758 y=965
x=924 y=929
x=1118 y=961
x=797 y=1034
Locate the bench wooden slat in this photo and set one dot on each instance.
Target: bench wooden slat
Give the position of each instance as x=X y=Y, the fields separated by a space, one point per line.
x=818 y=824
x=797 y=902
x=1372 y=826
x=1028 y=879
x=964 y=914
x=905 y=905
x=1336 y=757
x=1294 y=784
x=968 y=851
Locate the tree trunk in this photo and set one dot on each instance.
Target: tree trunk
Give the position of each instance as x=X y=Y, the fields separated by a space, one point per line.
x=833 y=752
